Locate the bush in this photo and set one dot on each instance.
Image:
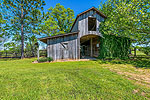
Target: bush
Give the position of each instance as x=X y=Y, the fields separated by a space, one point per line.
x=50 y=59
x=45 y=59
x=145 y=50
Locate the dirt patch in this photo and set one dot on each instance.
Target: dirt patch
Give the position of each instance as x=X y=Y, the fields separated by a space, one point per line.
x=141 y=76
x=63 y=60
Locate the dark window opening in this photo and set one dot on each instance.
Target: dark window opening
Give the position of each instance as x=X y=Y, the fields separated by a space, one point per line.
x=65 y=45
x=91 y=24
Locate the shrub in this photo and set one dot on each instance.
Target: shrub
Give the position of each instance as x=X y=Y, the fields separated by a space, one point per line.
x=50 y=59
x=42 y=59
x=145 y=50
x=45 y=59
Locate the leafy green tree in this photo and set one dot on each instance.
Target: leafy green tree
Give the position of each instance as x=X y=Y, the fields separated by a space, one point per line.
x=127 y=18
x=2 y=22
x=33 y=30
x=19 y=15
x=58 y=20
x=6 y=48
x=1 y=19
x=145 y=50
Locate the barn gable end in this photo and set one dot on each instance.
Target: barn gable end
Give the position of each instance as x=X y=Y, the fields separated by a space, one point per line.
x=81 y=22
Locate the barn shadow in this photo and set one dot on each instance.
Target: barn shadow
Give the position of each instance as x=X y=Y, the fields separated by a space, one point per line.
x=89 y=58
x=138 y=63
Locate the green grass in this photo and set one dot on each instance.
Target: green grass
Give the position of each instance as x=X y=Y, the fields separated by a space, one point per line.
x=22 y=80
x=138 y=53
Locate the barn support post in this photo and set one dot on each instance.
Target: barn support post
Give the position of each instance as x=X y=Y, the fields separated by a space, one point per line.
x=91 y=47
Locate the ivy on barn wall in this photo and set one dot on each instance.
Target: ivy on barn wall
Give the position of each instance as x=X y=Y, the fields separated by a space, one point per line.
x=114 y=47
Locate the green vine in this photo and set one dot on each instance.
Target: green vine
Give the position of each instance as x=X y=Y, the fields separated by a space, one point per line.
x=112 y=46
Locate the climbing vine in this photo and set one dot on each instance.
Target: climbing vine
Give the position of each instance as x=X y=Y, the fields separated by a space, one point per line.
x=112 y=46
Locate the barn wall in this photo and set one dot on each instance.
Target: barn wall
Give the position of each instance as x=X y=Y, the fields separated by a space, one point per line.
x=56 y=50
x=82 y=24
x=75 y=27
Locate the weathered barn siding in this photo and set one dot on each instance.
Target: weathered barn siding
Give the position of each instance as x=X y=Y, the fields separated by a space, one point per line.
x=56 y=50
x=75 y=27
x=82 y=24
x=74 y=39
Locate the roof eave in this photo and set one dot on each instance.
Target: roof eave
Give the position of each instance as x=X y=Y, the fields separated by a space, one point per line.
x=44 y=39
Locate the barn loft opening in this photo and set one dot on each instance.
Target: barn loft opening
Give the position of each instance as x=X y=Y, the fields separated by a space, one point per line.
x=91 y=24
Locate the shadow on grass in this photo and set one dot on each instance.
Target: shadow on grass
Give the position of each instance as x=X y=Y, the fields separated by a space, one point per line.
x=138 y=63
x=8 y=59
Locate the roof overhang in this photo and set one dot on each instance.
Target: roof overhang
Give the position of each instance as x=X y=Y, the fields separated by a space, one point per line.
x=44 y=39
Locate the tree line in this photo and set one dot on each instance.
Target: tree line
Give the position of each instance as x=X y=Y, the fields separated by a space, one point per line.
x=23 y=21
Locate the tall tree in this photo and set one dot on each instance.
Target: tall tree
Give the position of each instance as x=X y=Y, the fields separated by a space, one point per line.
x=127 y=18
x=36 y=17
x=58 y=20
x=19 y=14
x=3 y=27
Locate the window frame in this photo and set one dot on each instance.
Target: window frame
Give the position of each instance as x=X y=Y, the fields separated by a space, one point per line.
x=95 y=23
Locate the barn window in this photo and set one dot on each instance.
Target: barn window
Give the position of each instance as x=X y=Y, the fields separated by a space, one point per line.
x=91 y=24
x=65 y=45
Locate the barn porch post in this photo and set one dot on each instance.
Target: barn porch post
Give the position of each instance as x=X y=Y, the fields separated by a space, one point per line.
x=91 y=42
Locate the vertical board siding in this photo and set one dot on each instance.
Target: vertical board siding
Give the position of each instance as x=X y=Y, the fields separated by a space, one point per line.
x=83 y=24
x=75 y=27
x=57 y=51
x=55 y=48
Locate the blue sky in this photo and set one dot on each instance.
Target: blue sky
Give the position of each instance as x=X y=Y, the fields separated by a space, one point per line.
x=77 y=5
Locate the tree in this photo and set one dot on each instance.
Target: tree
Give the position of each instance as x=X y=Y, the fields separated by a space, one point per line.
x=58 y=20
x=127 y=18
x=6 y=48
x=145 y=50
x=3 y=27
x=19 y=14
x=36 y=18
x=1 y=19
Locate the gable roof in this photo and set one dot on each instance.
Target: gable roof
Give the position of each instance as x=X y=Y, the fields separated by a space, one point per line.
x=93 y=8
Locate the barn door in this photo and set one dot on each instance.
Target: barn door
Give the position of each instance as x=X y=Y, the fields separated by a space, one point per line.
x=65 y=50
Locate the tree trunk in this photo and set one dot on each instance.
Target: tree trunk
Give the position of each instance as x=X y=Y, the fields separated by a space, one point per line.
x=134 y=52
x=22 y=35
x=6 y=53
x=32 y=50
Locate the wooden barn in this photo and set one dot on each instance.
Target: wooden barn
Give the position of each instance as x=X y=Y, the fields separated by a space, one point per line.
x=81 y=42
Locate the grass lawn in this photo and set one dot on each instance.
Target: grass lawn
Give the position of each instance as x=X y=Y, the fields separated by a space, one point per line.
x=84 y=80
x=139 y=53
